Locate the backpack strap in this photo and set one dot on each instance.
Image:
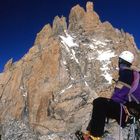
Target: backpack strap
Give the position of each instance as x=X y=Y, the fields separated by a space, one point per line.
x=134 y=86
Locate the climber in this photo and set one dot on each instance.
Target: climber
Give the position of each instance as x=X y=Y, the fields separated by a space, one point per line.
x=117 y=107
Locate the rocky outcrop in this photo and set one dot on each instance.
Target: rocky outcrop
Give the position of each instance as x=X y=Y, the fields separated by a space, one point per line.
x=8 y=65
x=43 y=35
x=51 y=89
x=75 y=17
x=91 y=19
x=17 y=130
x=83 y=21
x=59 y=25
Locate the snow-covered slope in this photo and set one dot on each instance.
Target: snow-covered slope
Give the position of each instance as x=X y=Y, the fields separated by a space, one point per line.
x=97 y=50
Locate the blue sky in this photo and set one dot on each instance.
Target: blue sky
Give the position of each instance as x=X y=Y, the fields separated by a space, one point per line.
x=21 y=20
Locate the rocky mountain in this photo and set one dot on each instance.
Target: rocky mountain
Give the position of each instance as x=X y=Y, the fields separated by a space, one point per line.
x=48 y=93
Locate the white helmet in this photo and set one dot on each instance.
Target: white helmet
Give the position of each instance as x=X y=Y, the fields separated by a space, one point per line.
x=127 y=56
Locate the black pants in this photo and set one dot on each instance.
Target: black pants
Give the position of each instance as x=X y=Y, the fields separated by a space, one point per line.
x=104 y=108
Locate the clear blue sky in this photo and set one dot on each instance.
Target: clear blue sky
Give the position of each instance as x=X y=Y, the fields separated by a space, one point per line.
x=21 y=20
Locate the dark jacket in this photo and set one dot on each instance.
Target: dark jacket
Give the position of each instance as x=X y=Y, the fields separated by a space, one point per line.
x=126 y=80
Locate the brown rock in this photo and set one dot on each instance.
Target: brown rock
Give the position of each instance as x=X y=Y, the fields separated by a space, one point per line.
x=89 y=7
x=75 y=18
x=59 y=25
x=90 y=22
x=43 y=35
x=8 y=65
x=84 y=21
x=12 y=102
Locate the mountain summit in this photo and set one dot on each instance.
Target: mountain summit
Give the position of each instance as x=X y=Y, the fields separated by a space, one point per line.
x=48 y=94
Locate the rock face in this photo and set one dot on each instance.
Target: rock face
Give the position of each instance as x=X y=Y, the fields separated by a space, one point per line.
x=83 y=21
x=50 y=90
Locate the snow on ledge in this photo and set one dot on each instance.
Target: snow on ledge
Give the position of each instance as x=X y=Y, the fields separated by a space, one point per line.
x=68 y=40
x=104 y=57
x=98 y=42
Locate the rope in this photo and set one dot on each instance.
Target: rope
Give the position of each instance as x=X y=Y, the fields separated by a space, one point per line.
x=134 y=87
x=121 y=107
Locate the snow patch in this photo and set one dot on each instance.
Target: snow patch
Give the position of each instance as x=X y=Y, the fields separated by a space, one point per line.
x=97 y=42
x=71 y=78
x=68 y=40
x=104 y=57
x=107 y=40
x=21 y=88
x=64 y=62
x=107 y=76
x=93 y=47
x=86 y=84
x=62 y=91
x=23 y=91
x=91 y=57
x=74 y=57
